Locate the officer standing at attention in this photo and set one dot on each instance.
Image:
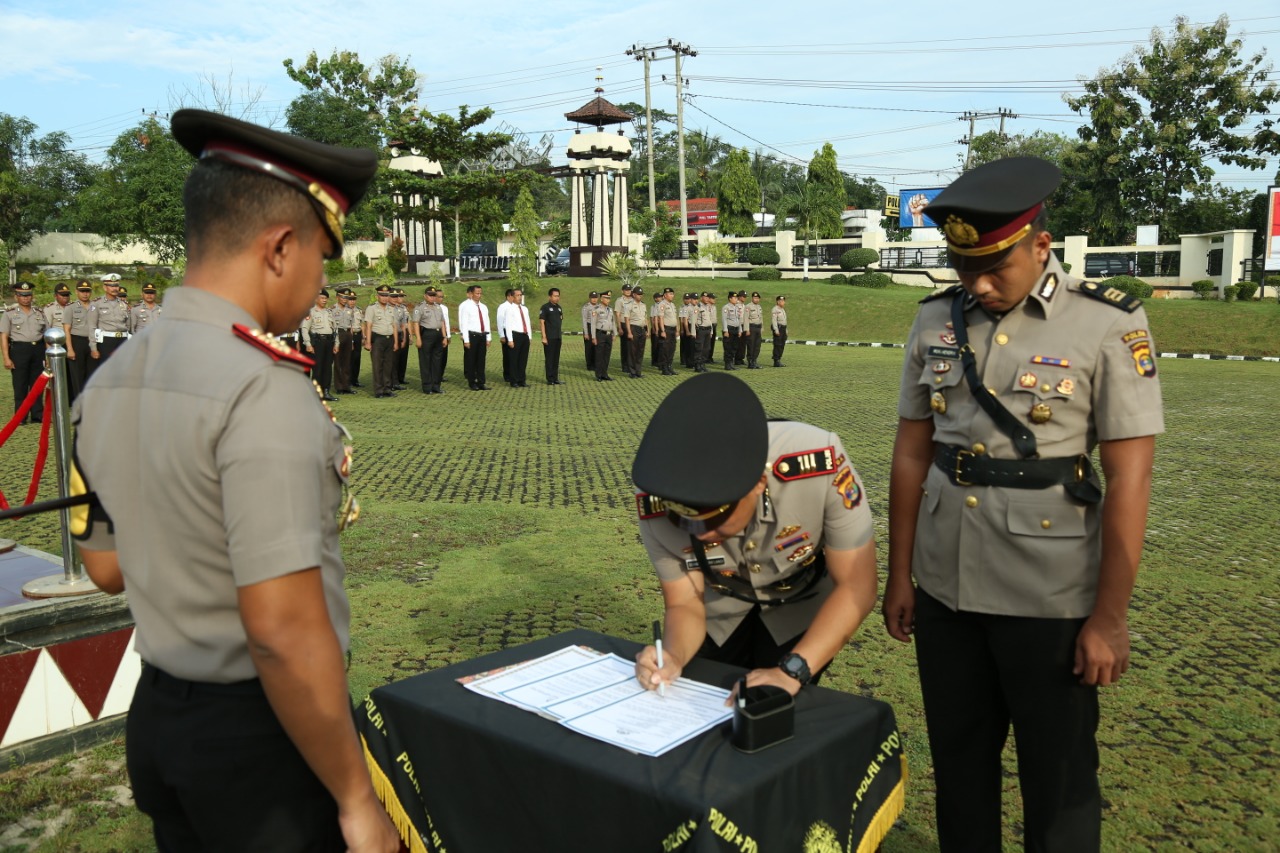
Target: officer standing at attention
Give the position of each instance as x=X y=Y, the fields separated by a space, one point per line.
x=517 y=336
x=635 y=322
x=588 y=312
x=146 y=311
x=402 y=348
x=477 y=334
x=382 y=339
x=655 y=330
x=357 y=338
x=704 y=330
x=240 y=734
x=778 y=324
x=602 y=334
x=550 y=319
x=753 y=322
x=77 y=322
x=22 y=343
x=686 y=331
x=320 y=342
x=428 y=336
x=55 y=310
x=110 y=320
x=765 y=555
x=1022 y=572
x=665 y=328
x=344 y=320
x=731 y=316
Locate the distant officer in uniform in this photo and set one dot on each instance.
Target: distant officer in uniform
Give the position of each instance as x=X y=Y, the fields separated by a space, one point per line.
x=446 y=331
x=636 y=320
x=54 y=311
x=588 y=312
x=22 y=343
x=655 y=330
x=704 y=331
x=731 y=316
x=428 y=336
x=344 y=320
x=778 y=324
x=477 y=335
x=402 y=348
x=1022 y=573
x=740 y=350
x=145 y=312
x=752 y=324
x=603 y=326
x=382 y=339
x=686 y=316
x=516 y=335
x=320 y=341
x=666 y=324
x=357 y=339
x=765 y=555
x=622 y=324
x=110 y=320
x=550 y=320
x=220 y=514
x=77 y=322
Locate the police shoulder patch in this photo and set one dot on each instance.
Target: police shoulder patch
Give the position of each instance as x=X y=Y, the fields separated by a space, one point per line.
x=808 y=463
x=941 y=292
x=1112 y=296
x=272 y=346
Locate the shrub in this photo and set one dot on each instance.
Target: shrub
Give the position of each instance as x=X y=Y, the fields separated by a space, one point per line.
x=1066 y=267
x=362 y=261
x=334 y=268
x=1273 y=282
x=761 y=256
x=871 y=279
x=1203 y=288
x=1245 y=290
x=397 y=258
x=765 y=273
x=1229 y=292
x=839 y=278
x=1130 y=285
x=857 y=259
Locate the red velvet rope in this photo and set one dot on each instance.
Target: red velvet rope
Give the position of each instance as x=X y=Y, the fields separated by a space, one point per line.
x=42 y=452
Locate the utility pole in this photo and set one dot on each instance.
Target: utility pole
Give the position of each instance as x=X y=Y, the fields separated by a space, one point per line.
x=648 y=54
x=971 y=117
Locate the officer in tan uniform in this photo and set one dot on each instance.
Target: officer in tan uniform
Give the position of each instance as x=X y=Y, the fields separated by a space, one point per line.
x=665 y=328
x=778 y=325
x=145 y=312
x=635 y=320
x=54 y=311
x=382 y=339
x=588 y=312
x=240 y=734
x=704 y=319
x=402 y=354
x=110 y=320
x=319 y=340
x=765 y=555
x=1022 y=571
x=77 y=322
x=603 y=330
x=752 y=324
x=428 y=328
x=22 y=344
x=345 y=319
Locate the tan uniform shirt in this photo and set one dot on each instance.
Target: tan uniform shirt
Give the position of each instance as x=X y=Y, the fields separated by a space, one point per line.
x=318 y=322
x=142 y=314
x=753 y=314
x=53 y=313
x=80 y=318
x=1024 y=552
x=23 y=326
x=381 y=319
x=794 y=519
x=602 y=320
x=111 y=316
x=778 y=319
x=667 y=313
x=731 y=316
x=242 y=482
x=428 y=316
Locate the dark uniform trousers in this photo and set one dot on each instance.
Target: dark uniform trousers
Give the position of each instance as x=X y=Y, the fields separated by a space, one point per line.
x=667 y=349
x=624 y=349
x=383 y=356
x=342 y=362
x=779 y=343
x=212 y=767
x=636 y=346
x=731 y=341
x=604 y=347
x=978 y=673
x=473 y=360
x=655 y=350
x=702 y=346
x=519 y=357
x=589 y=350
x=551 y=359
x=430 y=358
x=78 y=367
x=357 y=347
x=686 y=350
x=507 y=353
x=28 y=362
x=751 y=646
x=753 y=344
x=402 y=358
x=322 y=352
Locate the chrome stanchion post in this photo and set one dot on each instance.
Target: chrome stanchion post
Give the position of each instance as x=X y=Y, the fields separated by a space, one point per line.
x=73 y=580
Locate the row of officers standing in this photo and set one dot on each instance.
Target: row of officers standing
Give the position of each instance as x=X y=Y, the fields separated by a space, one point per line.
x=95 y=329
x=694 y=325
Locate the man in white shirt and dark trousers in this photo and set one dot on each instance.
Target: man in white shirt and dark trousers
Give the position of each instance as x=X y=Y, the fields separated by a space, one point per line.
x=476 y=332
x=516 y=338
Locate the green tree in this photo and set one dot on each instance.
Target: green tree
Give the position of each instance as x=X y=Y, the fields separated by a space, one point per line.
x=1161 y=115
x=527 y=230
x=381 y=91
x=804 y=209
x=137 y=197
x=39 y=181
x=715 y=252
x=863 y=193
x=661 y=227
x=704 y=156
x=828 y=187
x=738 y=198
x=1070 y=210
x=1211 y=207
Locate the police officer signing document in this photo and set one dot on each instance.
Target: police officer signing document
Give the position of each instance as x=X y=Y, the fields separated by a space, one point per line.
x=765 y=554
x=1022 y=571
x=240 y=734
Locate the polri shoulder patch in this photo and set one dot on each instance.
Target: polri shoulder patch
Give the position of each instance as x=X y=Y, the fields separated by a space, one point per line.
x=941 y=292
x=648 y=506
x=1112 y=296
x=808 y=463
x=272 y=346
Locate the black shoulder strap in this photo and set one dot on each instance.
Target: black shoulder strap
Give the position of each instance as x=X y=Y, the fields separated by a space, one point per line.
x=941 y=292
x=1024 y=441
x=716 y=582
x=1113 y=296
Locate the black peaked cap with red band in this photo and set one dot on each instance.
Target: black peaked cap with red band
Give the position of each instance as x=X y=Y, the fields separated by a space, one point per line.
x=986 y=211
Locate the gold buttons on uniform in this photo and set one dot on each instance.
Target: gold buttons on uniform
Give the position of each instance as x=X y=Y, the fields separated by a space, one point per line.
x=750 y=546
x=755 y=568
x=979 y=447
x=1046 y=524
x=937 y=380
x=1046 y=388
x=993 y=392
x=1002 y=339
x=971 y=501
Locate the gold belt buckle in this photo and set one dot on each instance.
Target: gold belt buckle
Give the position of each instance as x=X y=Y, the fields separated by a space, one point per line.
x=1082 y=462
x=781 y=587
x=960 y=454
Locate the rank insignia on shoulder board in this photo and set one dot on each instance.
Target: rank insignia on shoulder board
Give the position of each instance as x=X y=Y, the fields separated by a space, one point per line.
x=810 y=463
x=271 y=345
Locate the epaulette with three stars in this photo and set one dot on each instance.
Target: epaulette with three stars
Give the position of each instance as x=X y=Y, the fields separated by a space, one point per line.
x=1114 y=297
x=272 y=346
x=807 y=463
x=941 y=292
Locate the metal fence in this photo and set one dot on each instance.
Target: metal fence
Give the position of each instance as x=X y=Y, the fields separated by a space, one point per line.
x=905 y=257
x=823 y=254
x=485 y=263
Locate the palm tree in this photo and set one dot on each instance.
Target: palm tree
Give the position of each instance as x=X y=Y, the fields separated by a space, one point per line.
x=806 y=207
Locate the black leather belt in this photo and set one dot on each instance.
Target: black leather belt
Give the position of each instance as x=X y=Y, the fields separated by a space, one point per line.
x=181 y=688
x=966 y=468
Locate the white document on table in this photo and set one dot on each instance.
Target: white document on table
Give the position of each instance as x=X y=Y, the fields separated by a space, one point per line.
x=598 y=696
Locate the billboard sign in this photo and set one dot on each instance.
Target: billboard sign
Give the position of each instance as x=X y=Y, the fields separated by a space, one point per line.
x=1271 y=251
x=911 y=204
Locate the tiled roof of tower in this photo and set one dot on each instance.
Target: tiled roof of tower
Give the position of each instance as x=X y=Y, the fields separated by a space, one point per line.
x=598 y=112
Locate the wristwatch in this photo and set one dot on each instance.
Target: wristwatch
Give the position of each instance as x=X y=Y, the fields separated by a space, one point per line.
x=796 y=667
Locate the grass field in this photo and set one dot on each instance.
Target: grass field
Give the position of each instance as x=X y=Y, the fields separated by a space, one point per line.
x=495 y=518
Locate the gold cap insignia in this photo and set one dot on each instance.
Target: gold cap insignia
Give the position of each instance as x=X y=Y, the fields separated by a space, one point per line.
x=960 y=232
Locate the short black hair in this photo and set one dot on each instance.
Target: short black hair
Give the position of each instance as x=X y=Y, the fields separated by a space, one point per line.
x=227 y=206
x=553 y=290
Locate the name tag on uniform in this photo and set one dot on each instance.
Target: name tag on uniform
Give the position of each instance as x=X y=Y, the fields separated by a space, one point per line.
x=692 y=564
x=944 y=352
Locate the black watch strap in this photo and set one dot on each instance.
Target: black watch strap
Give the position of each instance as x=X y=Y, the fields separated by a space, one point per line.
x=796 y=667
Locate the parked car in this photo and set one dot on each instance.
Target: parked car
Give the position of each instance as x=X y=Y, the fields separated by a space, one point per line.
x=559 y=265
x=1105 y=266
x=482 y=255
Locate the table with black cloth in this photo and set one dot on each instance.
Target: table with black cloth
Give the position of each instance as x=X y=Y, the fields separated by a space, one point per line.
x=463 y=773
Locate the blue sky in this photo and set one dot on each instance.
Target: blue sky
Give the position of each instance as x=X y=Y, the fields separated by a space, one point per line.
x=885 y=85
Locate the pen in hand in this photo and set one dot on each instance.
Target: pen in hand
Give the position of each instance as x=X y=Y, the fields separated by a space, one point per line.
x=657 y=644
x=742 y=692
